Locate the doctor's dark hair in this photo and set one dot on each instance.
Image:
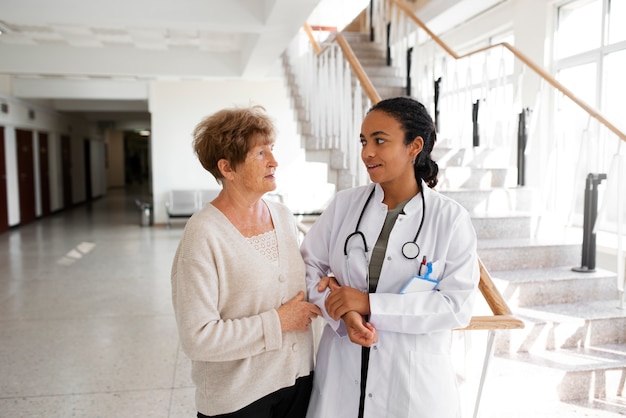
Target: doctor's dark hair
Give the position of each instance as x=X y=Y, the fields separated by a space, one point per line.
x=415 y=121
x=229 y=134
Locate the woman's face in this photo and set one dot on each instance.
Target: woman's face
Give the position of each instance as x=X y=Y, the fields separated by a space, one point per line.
x=256 y=173
x=386 y=157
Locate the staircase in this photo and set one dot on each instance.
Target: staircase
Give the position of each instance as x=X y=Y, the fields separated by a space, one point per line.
x=574 y=344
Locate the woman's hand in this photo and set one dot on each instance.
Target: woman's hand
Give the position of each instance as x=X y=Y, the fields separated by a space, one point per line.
x=359 y=331
x=296 y=314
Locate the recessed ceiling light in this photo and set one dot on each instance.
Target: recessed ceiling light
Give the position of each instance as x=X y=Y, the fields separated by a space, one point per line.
x=4 y=28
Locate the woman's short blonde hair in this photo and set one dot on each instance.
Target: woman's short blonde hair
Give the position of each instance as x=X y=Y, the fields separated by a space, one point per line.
x=230 y=134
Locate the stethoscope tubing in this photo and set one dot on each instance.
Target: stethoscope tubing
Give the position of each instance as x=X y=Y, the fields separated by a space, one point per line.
x=410 y=249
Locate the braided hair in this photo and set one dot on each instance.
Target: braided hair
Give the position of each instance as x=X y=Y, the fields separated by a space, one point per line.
x=415 y=121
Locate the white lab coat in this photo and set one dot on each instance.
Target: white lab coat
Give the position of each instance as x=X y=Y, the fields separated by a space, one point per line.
x=410 y=370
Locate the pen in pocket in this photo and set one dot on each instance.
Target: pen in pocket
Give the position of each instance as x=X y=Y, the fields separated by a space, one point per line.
x=420 y=269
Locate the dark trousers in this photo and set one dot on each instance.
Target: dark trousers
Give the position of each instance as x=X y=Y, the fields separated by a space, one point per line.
x=291 y=402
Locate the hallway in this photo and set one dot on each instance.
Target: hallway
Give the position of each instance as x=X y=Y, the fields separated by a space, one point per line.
x=87 y=327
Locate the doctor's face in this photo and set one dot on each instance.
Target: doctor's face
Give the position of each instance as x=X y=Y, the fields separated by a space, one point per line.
x=386 y=157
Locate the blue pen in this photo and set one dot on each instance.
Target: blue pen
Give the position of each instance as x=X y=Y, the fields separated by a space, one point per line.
x=429 y=269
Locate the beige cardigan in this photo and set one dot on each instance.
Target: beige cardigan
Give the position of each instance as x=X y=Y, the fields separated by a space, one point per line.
x=225 y=295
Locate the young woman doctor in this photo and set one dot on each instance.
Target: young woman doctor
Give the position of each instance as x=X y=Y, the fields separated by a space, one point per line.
x=385 y=351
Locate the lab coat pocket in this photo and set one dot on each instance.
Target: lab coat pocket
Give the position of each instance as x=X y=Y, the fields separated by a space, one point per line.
x=437 y=270
x=433 y=386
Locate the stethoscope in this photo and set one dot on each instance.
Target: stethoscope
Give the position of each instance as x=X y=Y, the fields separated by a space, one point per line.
x=410 y=249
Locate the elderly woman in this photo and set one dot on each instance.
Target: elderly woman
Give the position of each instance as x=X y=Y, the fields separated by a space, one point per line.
x=238 y=284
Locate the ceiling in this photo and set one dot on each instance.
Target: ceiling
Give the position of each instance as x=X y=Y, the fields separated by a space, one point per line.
x=97 y=58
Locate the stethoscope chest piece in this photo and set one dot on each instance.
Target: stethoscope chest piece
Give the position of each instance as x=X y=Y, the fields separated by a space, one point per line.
x=410 y=250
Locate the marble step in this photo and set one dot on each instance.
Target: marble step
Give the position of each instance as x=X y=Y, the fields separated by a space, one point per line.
x=583 y=376
x=557 y=285
x=496 y=200
x=509 y=225
x=528 y=253
x=565 y=326
x=477 y=178
x=479 y=157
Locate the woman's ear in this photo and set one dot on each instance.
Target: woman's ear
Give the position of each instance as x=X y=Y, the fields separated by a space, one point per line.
x=226 y=169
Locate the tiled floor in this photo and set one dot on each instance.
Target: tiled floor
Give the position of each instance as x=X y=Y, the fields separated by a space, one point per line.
x=87 y=328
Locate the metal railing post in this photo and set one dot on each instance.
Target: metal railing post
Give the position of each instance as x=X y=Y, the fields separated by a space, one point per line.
x=475 y=132
x=409 y=57
x=372 y=21
x=389 y=44
x=437 y=91
x=588 y=259
x=522 y=140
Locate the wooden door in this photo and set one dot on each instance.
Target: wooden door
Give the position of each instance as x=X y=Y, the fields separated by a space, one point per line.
x=66 y=166
x=87 y=153
x=44 y=174
x=4 y=211
x=26 y=175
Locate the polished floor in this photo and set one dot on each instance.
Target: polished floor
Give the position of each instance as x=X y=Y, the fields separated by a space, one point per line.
x=87 y=327
x=86 y=321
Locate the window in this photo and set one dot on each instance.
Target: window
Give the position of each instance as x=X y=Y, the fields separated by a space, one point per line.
x=615 y=87
x=579 y=27
x=617 y=17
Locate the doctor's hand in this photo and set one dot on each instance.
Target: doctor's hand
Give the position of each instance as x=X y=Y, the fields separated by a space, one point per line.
x=360 y=331
x=343 y=299
x=296 y=314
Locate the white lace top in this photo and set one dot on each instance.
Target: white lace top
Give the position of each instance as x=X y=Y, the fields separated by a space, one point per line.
x=267 y=245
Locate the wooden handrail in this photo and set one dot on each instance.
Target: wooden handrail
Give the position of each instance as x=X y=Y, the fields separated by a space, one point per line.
x=358 y=70
x=309 y=33
x=350 y=56
x=523 y=58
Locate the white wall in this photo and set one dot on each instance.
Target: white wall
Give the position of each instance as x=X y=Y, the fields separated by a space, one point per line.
x=177 y=107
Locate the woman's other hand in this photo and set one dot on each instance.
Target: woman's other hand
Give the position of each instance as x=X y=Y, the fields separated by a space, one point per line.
x=296 y=314
x=360 y=331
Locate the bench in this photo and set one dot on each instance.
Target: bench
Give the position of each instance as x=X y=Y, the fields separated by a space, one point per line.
x=184 y=203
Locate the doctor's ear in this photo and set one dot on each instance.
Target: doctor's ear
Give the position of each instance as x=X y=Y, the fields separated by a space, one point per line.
x=416 y=147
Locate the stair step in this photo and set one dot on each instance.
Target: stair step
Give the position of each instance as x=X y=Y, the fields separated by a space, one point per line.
x=527 y=253
x=480 y=157
x=557 y=285
x=496 y=200
x=565 y=375
x=562 y=326
x=477 y=178
x=381 y=71
x=513 y=225
x=388 y=92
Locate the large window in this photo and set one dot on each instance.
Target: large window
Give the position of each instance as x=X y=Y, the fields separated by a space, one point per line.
x=590 y=60
x=590 y=48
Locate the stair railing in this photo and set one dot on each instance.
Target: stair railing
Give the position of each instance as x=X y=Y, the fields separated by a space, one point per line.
x=494 y=74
